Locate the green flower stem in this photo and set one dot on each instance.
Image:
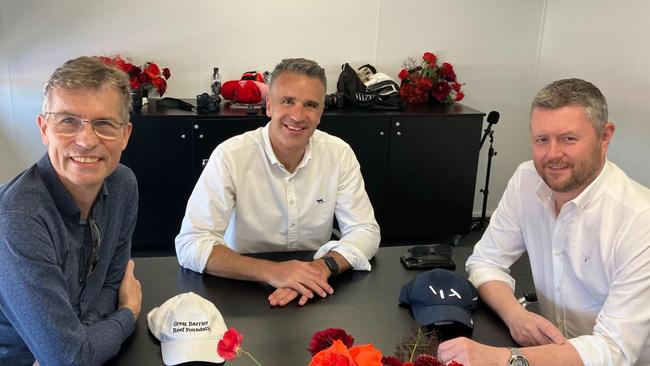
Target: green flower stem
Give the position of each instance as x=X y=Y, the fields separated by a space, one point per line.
x=415 y=346
x=251 y=357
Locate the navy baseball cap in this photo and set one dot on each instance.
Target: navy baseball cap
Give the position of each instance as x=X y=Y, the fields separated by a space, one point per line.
x=440 y=297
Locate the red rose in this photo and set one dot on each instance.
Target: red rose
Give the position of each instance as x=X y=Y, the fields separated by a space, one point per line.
x=325 y=338
x=425 y=83
x=160 y=84
x=229 y=346
x=135 y=84
x=403 y=74
x=430 y=58
x=152 y=70
x=135 y=72
x=166 y=73
x=459 y=96
x=446 y=71
x=441 y=90
x=456 y=86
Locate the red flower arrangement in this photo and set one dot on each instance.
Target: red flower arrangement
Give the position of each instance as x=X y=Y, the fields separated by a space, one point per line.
x=427 y=80
x=147 y=77
x=334 y=347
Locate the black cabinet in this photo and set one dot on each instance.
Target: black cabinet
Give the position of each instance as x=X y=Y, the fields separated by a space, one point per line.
x=160 y=154
x=419 y=165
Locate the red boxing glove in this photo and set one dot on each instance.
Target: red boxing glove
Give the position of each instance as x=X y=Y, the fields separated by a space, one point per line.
x=241 y=91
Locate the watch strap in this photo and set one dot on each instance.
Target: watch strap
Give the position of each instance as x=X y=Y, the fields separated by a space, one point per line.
x=331 y=264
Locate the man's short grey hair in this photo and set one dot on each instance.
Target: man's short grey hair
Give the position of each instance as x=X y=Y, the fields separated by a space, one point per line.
x=300 y=66
x=568 y=92
x=89 y=73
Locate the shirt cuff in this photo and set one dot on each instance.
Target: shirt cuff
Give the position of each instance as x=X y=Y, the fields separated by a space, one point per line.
x=479 y=276
x=594 y=350
x=357 y=260
x=194 y=255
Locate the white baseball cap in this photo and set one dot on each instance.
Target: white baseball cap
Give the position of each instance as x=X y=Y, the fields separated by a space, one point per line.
x=188 y=328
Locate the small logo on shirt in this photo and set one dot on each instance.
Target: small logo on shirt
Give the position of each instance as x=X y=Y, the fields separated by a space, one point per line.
x=321 y=201
x=587 y=258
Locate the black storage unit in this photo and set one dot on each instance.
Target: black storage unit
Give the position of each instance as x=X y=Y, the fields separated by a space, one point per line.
x=419 y=165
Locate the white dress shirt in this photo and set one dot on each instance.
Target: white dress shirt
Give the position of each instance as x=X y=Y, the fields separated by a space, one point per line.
x=590 y=264
x=247 y=200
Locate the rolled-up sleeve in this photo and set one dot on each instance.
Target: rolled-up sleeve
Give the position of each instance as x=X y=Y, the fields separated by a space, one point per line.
x=207 y=215
x=501 y=245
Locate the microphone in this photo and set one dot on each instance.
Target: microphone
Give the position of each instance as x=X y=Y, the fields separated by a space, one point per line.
x=492 y=119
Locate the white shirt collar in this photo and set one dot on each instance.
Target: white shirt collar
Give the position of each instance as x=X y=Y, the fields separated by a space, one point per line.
x=273 y=160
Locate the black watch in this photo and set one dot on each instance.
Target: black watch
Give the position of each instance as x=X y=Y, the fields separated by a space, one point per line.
x=517 y=358
x=330 y=262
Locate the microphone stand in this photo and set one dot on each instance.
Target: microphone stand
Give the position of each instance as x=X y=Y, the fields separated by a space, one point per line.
x=488 y=132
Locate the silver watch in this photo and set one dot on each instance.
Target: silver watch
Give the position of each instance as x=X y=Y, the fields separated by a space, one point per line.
x=517 y=358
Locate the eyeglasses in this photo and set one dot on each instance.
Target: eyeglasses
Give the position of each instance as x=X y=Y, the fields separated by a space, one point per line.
x=88 y=265
x=68 y=124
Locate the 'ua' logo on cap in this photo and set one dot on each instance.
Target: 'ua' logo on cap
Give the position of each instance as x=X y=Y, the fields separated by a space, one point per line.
x=441 y=293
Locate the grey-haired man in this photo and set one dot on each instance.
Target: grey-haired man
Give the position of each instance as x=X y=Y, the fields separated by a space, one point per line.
x=68 y=295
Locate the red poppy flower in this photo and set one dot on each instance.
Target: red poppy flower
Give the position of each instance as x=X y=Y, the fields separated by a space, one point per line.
x=229 y=346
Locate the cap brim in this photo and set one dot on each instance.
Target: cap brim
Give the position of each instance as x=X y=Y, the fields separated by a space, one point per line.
x=195 y=350
x=436 y=314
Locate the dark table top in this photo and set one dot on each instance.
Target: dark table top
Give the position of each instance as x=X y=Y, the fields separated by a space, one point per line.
x=365 y=304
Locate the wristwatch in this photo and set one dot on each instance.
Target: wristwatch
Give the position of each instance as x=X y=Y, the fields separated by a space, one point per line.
x=517 y=358
x=330 y=262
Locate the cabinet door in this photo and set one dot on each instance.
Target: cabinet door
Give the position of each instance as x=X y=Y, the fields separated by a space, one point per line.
x=431 y=176
x=210 y=133
x=160 y=154
x=368 y=137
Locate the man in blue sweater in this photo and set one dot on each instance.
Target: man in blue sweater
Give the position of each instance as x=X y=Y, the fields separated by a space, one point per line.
x=68 y=295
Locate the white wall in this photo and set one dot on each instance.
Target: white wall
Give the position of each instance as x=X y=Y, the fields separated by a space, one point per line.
x=607 y=43
x=504 y=50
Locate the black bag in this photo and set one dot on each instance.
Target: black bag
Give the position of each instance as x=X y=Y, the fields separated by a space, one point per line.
x=383 y=95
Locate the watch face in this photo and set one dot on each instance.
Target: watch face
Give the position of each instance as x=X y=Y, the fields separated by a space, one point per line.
x=519 y=361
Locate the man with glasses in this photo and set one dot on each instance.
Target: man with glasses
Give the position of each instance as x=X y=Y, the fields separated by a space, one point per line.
x=68 y=295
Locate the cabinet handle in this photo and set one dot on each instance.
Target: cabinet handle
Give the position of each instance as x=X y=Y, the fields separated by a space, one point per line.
x=399 y=133
x=397 y=124
x=183 y=136
x=201 y=136
x=381 y=133
x=204 y=162
x=196 y=127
